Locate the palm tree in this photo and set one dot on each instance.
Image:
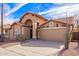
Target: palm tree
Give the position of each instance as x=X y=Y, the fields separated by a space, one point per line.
x=2 y=11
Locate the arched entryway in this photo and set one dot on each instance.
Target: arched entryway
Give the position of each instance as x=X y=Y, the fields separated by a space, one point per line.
x=29 y=26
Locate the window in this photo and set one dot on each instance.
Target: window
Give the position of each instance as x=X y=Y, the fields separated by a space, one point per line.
x=56 y=25
x=6 y=32
x=16 y=31
x=63 y=25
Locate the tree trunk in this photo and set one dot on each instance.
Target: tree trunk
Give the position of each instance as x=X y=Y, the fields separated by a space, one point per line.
x=2 y=35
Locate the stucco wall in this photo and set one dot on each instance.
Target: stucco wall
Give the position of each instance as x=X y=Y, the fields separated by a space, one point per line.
x=33 y=18
x=55 y=33
x=15 y=30
x=53 y=24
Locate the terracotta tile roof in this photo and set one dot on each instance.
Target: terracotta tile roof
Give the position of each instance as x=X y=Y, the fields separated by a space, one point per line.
x=16 y=23
x=7 y=26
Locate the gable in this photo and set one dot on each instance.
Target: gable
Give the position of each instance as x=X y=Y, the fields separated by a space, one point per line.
x=33 y=17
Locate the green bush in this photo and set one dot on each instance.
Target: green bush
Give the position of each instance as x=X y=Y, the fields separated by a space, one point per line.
x=20 y=37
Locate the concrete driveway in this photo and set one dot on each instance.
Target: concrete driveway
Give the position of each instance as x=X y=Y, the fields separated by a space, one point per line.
x=31 y=48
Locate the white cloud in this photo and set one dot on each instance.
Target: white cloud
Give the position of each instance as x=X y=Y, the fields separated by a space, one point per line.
x=8 y=20
x=70 y=10
x=7 y=8
x=17 y=6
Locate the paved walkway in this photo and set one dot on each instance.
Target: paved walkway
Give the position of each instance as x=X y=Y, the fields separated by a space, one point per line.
x=31 y=48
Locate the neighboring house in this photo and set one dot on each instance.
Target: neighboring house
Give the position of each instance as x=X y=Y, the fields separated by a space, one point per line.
x=31 y=25
x=6 y=29
x=63 y=22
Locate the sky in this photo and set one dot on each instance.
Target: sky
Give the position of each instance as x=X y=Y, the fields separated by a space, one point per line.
x=14 y=11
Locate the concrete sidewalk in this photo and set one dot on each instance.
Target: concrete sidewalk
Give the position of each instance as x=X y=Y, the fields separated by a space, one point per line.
x=5 y=52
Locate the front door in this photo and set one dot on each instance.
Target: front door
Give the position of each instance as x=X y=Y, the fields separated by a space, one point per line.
x=31 y=33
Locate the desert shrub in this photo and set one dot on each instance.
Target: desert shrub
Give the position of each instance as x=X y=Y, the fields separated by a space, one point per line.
x=20 y=37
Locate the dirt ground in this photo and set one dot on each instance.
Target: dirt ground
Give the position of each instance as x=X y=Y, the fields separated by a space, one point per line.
x=72 y=51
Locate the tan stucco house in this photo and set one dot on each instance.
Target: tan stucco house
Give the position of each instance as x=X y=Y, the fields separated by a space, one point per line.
x=34 y=26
